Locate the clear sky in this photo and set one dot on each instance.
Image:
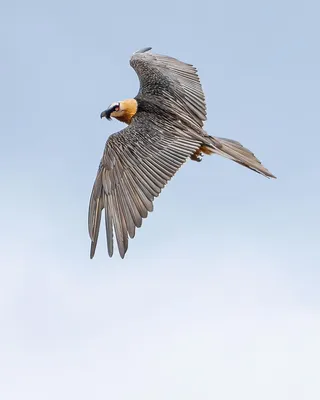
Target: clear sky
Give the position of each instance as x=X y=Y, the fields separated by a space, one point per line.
x=218 y=296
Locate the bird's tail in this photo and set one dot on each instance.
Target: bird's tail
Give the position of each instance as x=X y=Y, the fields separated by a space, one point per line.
x=236 y=152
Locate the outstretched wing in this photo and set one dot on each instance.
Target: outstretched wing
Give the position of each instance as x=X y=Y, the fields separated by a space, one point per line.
x=173 y=83
x=137 y=163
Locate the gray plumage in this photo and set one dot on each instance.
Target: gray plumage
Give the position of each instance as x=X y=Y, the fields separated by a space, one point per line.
x=139 y=160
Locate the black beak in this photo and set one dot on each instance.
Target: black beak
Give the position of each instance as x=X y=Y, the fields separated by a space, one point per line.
x=107 y=113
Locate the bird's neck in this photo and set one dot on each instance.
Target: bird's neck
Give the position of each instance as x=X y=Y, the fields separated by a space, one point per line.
x=130 y=107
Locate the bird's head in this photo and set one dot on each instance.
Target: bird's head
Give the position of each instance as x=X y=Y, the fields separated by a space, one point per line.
x=121 y=110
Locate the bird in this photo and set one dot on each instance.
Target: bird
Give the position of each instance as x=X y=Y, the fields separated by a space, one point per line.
x=164 y=129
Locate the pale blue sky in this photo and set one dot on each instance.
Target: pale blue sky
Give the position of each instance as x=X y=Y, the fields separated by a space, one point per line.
x=218 y=296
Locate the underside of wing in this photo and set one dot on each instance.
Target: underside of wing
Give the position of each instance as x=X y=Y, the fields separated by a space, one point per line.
x=137 y=163
x=173 y=82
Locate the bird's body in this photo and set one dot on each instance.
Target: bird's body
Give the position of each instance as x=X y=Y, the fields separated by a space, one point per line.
x=165 y=128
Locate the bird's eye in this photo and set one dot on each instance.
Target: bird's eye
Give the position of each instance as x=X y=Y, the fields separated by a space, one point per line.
x=117 y=107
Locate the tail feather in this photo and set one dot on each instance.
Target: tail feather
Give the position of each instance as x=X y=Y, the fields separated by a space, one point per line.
x=236 y=152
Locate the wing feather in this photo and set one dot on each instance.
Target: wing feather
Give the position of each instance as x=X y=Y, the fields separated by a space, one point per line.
x=174 y=82
x=108 y=223
x=125 y=206
x=136 y=165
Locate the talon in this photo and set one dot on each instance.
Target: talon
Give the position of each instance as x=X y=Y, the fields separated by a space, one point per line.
x=197 y=156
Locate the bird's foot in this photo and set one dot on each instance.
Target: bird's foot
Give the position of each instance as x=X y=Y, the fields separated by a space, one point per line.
x=197 y=156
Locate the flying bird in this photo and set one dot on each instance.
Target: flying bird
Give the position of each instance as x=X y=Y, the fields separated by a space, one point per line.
x=164 y=129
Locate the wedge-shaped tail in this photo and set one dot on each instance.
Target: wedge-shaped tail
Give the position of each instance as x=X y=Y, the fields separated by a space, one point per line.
x=236 y=152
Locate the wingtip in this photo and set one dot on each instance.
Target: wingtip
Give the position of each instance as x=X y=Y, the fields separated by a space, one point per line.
x=143 y=50
x=122 y=251
x=110 y=252
x=92 y=250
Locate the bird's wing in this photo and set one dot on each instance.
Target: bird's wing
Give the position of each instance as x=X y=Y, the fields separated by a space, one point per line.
x=174 y=83
x=137 y=163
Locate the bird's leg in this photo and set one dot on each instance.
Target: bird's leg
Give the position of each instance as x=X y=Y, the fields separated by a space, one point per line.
x=197 y=156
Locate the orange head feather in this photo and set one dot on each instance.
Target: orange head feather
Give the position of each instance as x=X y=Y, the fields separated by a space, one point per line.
x=123 y=110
